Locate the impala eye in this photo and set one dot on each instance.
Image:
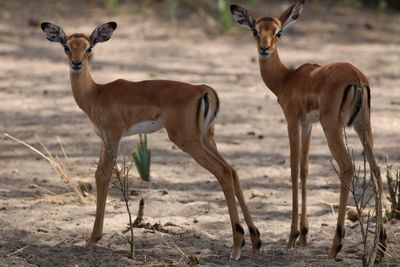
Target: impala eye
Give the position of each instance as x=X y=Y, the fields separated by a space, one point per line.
x=278 y=34
x=66 y=49
x=89 y=50
x=255 y=31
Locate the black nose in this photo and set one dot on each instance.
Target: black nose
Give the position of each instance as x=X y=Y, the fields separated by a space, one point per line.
x=264 y=51
x=76 y=64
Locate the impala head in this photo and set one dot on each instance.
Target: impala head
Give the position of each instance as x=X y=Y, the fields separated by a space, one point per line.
x=77 y=46
x=267 y=30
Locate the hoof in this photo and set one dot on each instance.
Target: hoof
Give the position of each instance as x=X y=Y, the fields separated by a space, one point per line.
x=303 y=241
x=332 y=256
x=256 y=249
x=334 y=252
x=92 y=242
x=235 y=255
x=255 y=240
x=292 y=240
x=291 y=246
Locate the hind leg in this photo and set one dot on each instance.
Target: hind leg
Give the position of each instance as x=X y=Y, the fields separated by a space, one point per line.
x=223 y=173
x=334 y=136
x=362 y=126
x=210 y=143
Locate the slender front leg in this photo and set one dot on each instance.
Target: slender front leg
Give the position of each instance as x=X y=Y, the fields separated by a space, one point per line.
x=294 y=139
x=306 y=129
x=103 y=177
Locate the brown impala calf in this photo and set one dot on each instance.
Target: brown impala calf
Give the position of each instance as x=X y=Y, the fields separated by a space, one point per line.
x=337 y=95
x=123 y=108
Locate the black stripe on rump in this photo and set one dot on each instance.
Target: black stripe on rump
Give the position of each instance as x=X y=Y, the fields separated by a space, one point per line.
x=345 y=93
x=206 y=108
x=206 y=105
x=357 y=108
x=198 y=112
x=217 y=104
x=215 y=98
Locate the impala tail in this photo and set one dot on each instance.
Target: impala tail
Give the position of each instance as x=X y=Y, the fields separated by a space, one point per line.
x=208 y=108
x=355 y=98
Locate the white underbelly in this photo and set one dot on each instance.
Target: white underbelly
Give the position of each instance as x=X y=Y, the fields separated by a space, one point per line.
x=312 y=116
x=145 y=127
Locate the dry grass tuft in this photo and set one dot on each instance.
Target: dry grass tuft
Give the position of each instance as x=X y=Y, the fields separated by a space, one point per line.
x=56 y=164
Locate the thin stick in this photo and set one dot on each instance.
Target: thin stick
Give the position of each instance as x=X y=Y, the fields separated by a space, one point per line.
x=172 y=243
x=332 y=207
x=17 y=251
x=28 y=146
x=44 y=189
x=62 y=148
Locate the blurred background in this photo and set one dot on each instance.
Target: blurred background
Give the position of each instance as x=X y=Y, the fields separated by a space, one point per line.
x=195 y=42
x=215 y=12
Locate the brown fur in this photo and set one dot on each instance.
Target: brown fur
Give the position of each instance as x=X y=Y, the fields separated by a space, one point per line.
x=114 y=107
x=315 y=88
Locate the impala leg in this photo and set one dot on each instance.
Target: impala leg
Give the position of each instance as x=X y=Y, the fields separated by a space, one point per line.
x=306 y=129
x=363 y=129
x=254 y=233
x=223 y=173
x=337 y=147
x=103 y=176
x=294 y=139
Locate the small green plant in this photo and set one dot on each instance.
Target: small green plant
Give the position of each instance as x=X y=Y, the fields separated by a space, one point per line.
x=111 y=4
x=172 y=6
x=142 y=158
x=225 y=14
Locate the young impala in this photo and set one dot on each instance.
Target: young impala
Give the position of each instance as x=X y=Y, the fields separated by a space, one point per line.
x=121 y=108
x=337 y=95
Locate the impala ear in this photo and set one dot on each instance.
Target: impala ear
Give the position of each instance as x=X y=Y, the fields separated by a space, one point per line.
x=244 y=18
x=102 y=33
x=53 y=32
x=291 y=14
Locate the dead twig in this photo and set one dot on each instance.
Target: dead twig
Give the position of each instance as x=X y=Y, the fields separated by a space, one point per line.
x=332 y=206
x=361 y=201
x=17 y=251
x=122 y=183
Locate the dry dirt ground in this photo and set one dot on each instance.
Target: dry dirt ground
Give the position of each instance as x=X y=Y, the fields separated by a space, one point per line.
x=41 y=224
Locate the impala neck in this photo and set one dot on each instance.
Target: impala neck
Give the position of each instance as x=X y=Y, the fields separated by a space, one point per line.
x=273 y=72
x=82 y=87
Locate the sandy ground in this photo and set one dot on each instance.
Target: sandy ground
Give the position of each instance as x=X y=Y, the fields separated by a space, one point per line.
x=42 y=225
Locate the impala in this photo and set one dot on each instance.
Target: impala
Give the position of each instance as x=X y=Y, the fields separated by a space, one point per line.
x=121 y=108
x=337 y=95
